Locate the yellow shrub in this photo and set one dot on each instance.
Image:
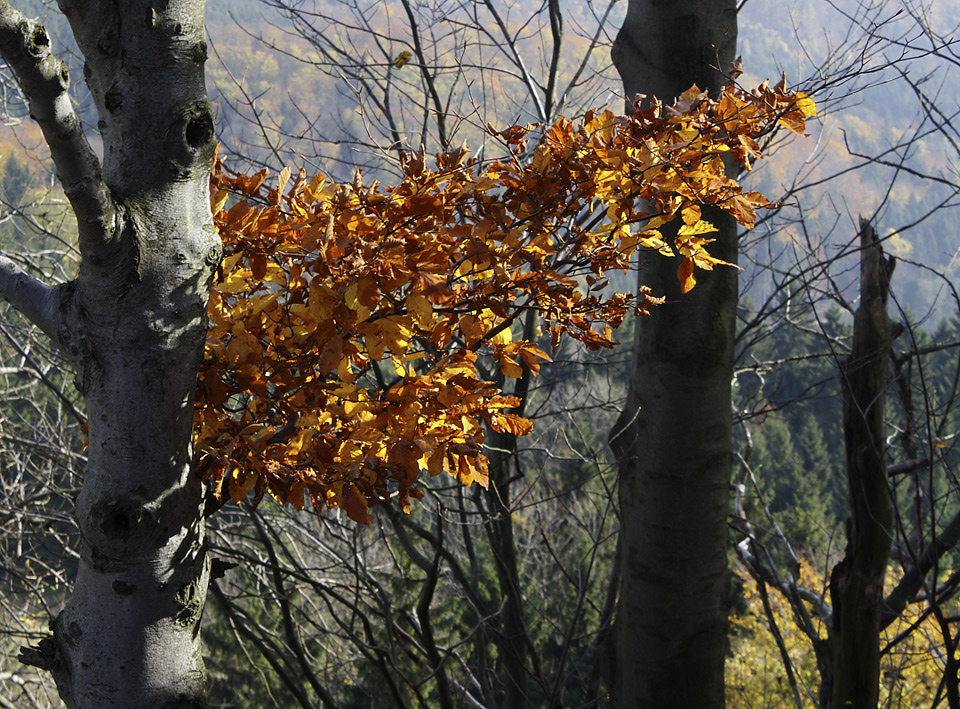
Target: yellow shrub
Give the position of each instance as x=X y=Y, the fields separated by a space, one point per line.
x=911 y=671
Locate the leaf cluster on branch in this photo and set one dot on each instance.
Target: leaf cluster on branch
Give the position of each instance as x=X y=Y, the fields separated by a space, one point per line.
x=347 y=320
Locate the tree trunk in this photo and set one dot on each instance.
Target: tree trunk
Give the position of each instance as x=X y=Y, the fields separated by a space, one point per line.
x=673 y=439
x=856 y=584
x=133 y=323
x=498 y=523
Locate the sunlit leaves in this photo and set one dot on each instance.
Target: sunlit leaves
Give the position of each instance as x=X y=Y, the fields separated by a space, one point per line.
x=911 y=664
x=347 y=320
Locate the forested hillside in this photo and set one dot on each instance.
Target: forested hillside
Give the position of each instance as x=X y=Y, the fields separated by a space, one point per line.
x=879 y=120
x=307 y=112
x=300 y=103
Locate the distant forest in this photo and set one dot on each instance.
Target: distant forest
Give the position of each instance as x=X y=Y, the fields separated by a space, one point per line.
x=916 y=217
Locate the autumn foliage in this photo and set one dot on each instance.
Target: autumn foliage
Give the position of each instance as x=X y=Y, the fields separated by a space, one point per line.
x=347 y=320
x=911 y=650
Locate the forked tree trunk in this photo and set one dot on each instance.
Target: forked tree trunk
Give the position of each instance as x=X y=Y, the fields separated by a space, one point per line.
x=133 y=322
x=673 y=439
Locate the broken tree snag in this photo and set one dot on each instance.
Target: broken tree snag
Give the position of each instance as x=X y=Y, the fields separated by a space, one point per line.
x=856 y=584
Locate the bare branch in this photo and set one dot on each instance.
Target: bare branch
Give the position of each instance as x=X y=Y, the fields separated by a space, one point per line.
x=25 y=45
x=913 y=578
x=37 y=301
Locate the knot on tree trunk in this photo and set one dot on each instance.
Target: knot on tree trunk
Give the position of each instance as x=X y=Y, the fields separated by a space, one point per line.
x=43 y=655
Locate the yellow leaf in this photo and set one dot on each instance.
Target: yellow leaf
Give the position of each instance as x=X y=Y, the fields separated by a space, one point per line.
x=472 y=328
x=700 y=227
x=217 y=200
x=793 y=121
x=691 y=214
x=351 y=408
x=350 y=297
x=395 y=334
x=350 y=452
x=806 y=104
x=263 y=302
x=504 y=337
x=298 y=442
x=281 y=183
x=314 y=190
x=402 y=59
x=541 y=158
x=653 y=239
x=509 y=366
x=344 y=371
x=239 y=280
x=421 y=309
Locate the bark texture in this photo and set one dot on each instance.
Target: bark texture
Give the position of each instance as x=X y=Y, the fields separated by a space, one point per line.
x=856 y=584
x=498 y=524
x=133 y=322
x=673 y=439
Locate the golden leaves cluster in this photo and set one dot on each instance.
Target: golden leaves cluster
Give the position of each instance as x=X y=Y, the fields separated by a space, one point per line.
x=347 y=320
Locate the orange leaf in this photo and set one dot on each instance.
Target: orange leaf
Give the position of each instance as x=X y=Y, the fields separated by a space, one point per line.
x=354 y=504
x=258 y=266
x=685 y=275
x=237 y=489
x=511 y=423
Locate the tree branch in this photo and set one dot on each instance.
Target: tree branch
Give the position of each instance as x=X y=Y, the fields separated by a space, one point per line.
x=906 y=590
x=25 y=45
x=37 y=301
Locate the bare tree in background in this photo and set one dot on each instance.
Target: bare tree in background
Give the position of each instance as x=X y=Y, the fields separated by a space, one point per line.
x=423 y=74
x=482 y=598
x=900 y=469
x=41 y=476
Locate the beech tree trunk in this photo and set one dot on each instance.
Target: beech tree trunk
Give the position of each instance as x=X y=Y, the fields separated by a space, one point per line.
x=673 y=438
x=856 y=583
x=133 y=323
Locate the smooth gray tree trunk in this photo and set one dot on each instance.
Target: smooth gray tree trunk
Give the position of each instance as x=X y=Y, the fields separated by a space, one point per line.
x=673 y=439
x=133 y=323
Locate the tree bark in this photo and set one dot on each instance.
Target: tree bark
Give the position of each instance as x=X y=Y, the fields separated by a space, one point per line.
x=498 y=523
x=133 y=323
x=673 y=438
x=856 y=583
